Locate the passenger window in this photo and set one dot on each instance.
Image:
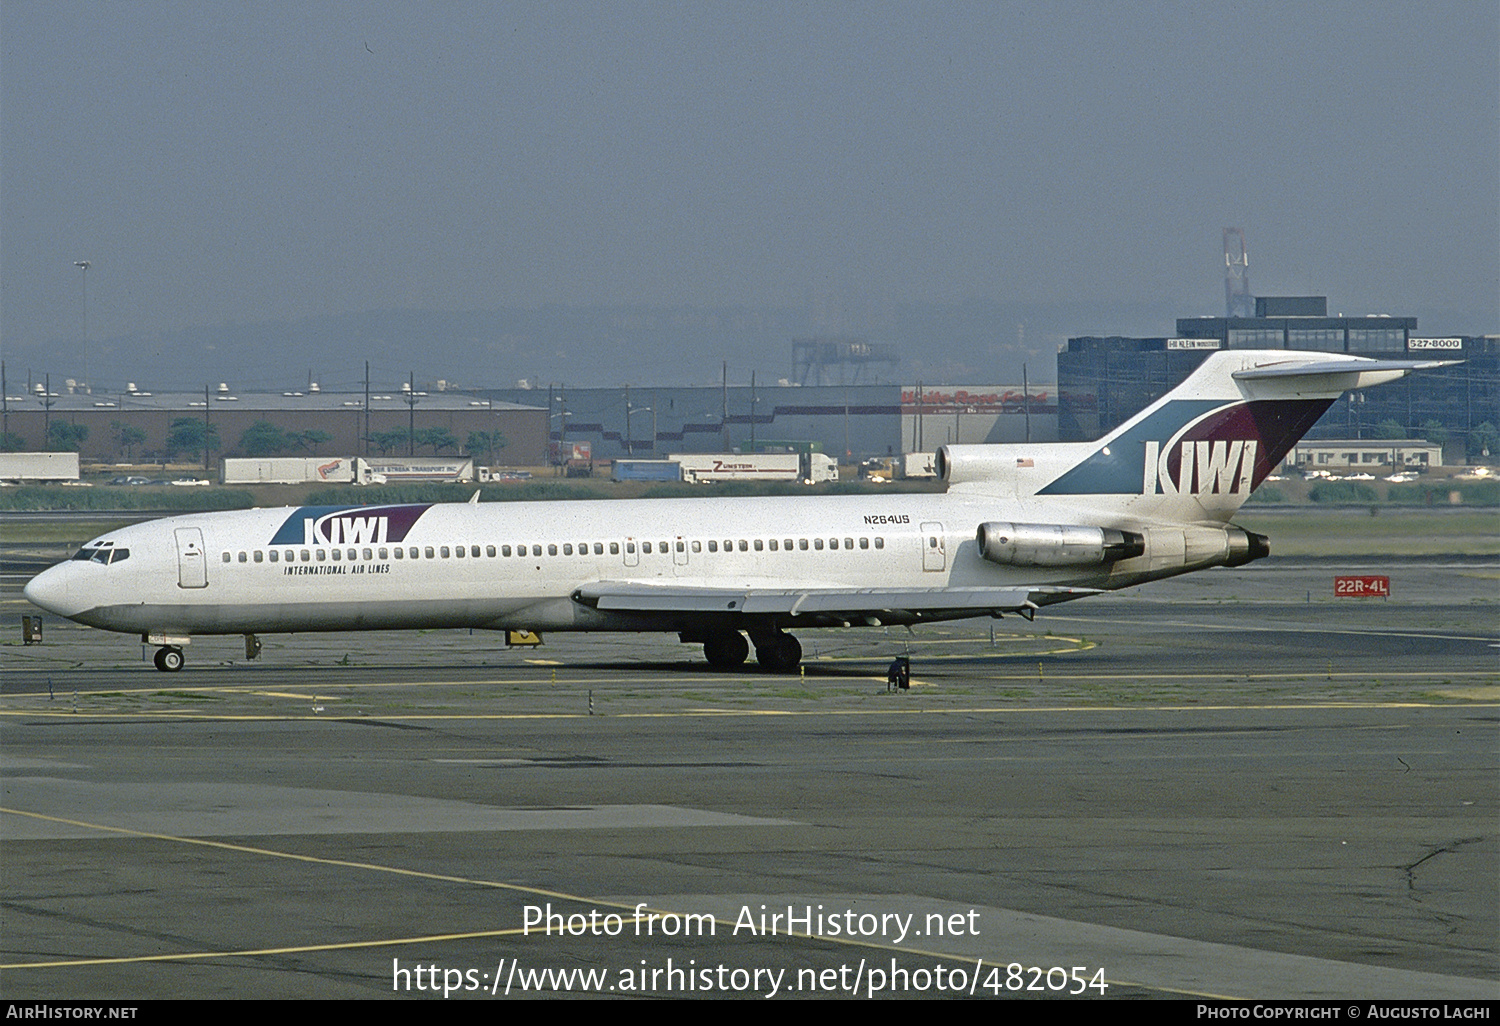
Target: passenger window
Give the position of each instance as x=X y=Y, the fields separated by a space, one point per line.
x=773 y=544
x=848 y=543
x=583 y=548
x=598 y=548
x=551 y=550
x=614 y=548
x=382 y=554
x=744 y=545
x=567 y=548
x=818 y=544
x=429 y=552
x=366 y=554
x=880 y=543
x=353 y=555
x=536 y=550
x=444 y=552
x=398 y=552
x=458 y=552
x=505 y=551
x=630 y=547
x=646 y=548
x=306 y=555
x=864 y=543
x=802 y=544
x=322 y=554
x=259 y=557
x=697 y=546
x=713 y=546
x=337 y=555
x=82 y=556
x=788 y=545
x=489 y=550
x=681 y=547
x=759 y=545
x=412 y=552
x=833 y=543
x=243 y=557
x=474 y=551
x=273 y=555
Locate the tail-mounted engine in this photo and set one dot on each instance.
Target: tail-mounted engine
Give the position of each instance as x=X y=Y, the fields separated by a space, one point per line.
x=1056 y=544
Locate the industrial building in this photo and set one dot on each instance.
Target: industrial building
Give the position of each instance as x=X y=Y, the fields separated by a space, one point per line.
x=845 y=421
x=1102 y=381
x=138 y=426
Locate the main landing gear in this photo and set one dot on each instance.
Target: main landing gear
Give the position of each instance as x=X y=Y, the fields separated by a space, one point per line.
x=168 y=659
x=776 y=651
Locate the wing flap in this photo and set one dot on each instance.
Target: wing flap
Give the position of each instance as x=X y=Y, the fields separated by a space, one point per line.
x=631 y=596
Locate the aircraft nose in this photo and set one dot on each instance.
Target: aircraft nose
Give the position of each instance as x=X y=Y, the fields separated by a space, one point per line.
x=49 y=589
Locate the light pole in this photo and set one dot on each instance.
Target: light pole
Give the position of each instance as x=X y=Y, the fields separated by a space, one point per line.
x=83 y=265
x=411 y=414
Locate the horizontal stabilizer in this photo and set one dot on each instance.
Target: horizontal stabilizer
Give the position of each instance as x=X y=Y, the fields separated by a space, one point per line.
x=1302 y=368
x=1333 y=376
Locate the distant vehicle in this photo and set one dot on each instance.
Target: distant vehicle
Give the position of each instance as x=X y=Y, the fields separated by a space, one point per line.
x=1021 y=527
x=919 y=464
x=645 y=470
x=132 y=479
x=38 y=466
x=706 y=468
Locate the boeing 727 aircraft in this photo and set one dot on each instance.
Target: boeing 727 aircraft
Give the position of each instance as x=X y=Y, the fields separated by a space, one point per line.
x=1019 y=527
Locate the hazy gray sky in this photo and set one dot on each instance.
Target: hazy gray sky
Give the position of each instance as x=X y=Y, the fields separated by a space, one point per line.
x=245 y=162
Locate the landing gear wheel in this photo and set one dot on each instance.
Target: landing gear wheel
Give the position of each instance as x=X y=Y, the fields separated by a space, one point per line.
x=780 y=653
x=726 y=649
x=169 y=659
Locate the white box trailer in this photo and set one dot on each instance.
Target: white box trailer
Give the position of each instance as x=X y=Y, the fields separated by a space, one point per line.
x=390 y=469
x=702 y=468
x=288 y=470
x=919 y=464
x=39 y=466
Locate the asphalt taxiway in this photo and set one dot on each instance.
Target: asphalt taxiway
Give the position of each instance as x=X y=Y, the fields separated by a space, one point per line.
x=1229 y=785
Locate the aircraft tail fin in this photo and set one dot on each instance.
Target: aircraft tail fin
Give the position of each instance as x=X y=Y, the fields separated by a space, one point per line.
x=1196 y=453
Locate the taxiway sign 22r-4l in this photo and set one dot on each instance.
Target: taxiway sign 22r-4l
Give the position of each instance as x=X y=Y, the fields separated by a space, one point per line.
x=1019 y=527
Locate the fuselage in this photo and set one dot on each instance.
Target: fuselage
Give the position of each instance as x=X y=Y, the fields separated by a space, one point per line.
x=519 y=565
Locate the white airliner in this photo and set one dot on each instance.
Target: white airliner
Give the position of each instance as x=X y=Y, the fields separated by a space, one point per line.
x=1019 y=527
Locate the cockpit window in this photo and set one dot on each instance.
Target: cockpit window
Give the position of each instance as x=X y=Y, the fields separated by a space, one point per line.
x=105 y=554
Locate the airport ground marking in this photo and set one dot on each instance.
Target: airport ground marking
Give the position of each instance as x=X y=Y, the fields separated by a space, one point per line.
x=633 y=908
x=185 y=956
x=666 y=689
x=966 y=710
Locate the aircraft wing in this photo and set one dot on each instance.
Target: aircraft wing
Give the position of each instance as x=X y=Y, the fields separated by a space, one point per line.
x=634 y=596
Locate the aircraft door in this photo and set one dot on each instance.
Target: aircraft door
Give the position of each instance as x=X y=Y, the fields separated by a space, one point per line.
x=192 y=564
x=632 y=553
x=934 y=555
x=679 y=551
